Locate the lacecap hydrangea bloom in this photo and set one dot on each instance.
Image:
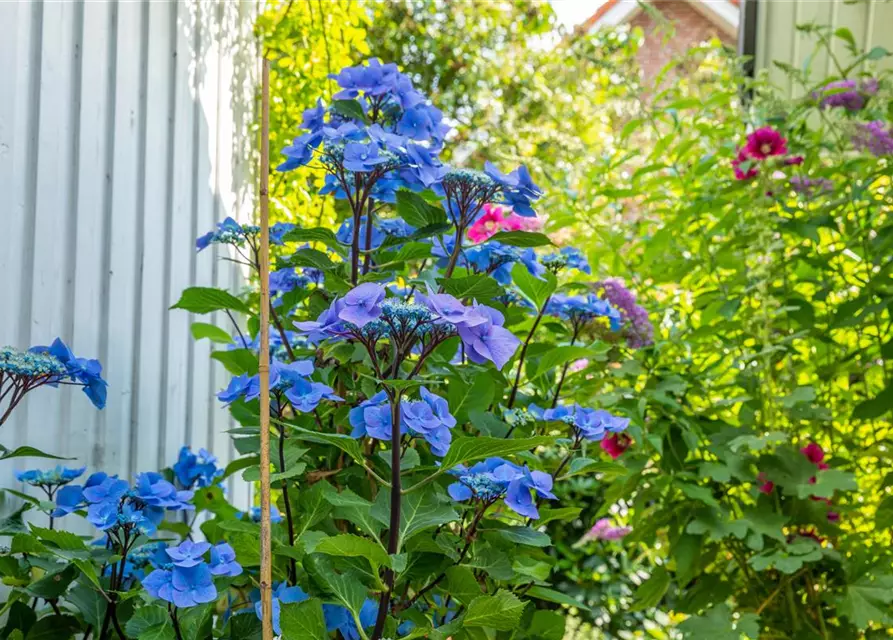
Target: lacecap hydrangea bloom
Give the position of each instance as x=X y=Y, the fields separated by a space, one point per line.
x=113 y=504
x=24 y=371
x=193 y=470
x=588 y=424
x=428 y=418
x=187 y=579
x=497 y=479
x=287 y=382
x=51 y=479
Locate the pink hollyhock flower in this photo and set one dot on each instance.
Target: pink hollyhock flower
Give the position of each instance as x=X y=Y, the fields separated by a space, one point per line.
x=616 y=444
x=814 y=454
x=496 y=219
x=833 y=516
x=767 y=485
x=578 y=365
x=794 y=160
x=764 y=143
x=740 y=172
x=603 y=530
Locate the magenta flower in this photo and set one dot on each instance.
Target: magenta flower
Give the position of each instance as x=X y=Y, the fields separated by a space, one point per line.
x=496 y=218
x=616 y=444
x=766 y=486
x=813 y=453
x=744 y=173
x=604 y=530
x=764 y=143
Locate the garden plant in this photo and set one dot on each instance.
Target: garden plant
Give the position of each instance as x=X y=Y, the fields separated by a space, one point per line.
x=479 y=430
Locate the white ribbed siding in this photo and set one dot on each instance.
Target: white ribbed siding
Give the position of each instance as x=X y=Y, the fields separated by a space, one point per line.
x=124 y=133
x=869 y=21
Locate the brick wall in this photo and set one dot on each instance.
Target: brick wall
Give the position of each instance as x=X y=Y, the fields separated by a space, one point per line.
x=691 y=27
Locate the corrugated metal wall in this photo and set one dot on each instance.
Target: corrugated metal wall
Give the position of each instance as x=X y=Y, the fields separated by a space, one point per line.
x=870 y=21
x=124 y=133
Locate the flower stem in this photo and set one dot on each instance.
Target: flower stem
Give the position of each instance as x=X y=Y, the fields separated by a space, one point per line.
x=368 y=257
x=536 y=323
x=454 y=256
x=292 y=567
x=563 y=373
x=172 y=612
x=394 y=526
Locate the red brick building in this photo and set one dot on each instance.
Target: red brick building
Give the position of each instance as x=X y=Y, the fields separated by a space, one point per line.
x=693 y=22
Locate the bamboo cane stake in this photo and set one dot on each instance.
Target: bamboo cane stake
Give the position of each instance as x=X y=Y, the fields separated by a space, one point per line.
x=263 y=365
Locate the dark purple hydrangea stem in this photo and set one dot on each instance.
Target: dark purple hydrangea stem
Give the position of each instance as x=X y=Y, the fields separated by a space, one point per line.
x=367 y=259
x=454 y=256
x=564 y=370
x=539 y=316
x=278 y=323
x=292 y=567
x=172 y=612
x=229 y=314
x=394 y=526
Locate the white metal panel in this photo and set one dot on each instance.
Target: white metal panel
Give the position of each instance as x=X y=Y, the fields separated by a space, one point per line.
x=123 y=130
x=778 y=39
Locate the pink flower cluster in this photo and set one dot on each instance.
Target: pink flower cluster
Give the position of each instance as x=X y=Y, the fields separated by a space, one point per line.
x=762 y=144
x=816 y=455
x=496 y=218
x=604 y=530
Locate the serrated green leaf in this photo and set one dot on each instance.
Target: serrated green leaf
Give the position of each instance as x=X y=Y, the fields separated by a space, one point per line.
x=350 y=109
x=501 y=611
x=54 y=628
x=462 y=585
x=525 y=535
x=203 y=300
x=303 y=621
x=28 y=452
x=312 y=258
x=493 y=561
x=610 y=470
x=717 y=624
x=418 y=212
x=237 y=361
x=867 y=601
x=211 y=332
x=314 y=234
x=347 y=444
x=61 y=539
x=89 y=603
x=478 y=287
x=467 y=450
x=350 y=545
x=463 y=397
x=536 y=289
x=546 y=625
x=54 y=583
x=346 y=588
x=521 y=238
x=420 y=510
x=557 y=357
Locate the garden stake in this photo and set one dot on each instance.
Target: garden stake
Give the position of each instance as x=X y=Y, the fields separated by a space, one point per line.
x=263 y=364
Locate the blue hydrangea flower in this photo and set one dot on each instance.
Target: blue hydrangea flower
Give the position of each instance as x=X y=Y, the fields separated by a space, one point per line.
x=362 y=304
x=50 y=478
x=71 y=498
x=196 y=470
x=278 y=231
x=223 y=561
x=153 y=490
x=580 y=310
x=496 y=478
x=339 y=619
x=327 y=325
x=372 y=417
x=299 y=152
x=254 y=515
x=188 y=553
x=363 y=157
x=430 y=419
x=567 y=258
x=591 y=424
x=305 y=396
x=488 y=340
x=518 y=188
x=182 y=586
x=82 y=370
